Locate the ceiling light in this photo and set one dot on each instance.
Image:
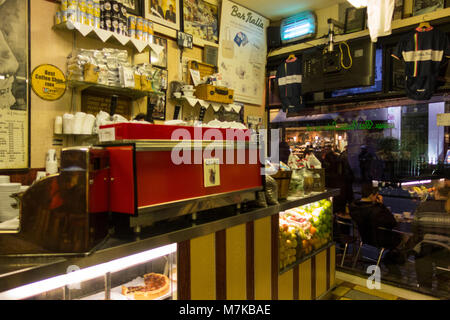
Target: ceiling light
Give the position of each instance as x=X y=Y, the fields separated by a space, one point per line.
x=358 y=3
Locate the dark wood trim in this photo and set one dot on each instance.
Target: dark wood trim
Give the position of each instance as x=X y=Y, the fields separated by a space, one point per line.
x=275 y=223
x=250 y=259
x=296 y=284
x=184 y=270
x=221 y=265
x=313 y=278
x=328 y=268
x=25 y=177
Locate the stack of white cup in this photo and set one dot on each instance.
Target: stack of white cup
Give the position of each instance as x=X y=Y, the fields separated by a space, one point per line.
x=78 y=122
x=88 y=124
x=68 y=120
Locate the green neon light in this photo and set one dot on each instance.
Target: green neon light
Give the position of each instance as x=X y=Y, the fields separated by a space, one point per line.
x=355 y=125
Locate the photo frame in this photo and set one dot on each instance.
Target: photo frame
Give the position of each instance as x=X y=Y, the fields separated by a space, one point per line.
x=134 y=7
x=398 y=9
x=427 y=6
x=159 y=60
x=14 y=84
x=201 y=19
x=355 y=19
x=159 y=111
x=185 y=40
x=164 y=12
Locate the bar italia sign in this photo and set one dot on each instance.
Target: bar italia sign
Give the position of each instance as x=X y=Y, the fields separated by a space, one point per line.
x=249 y=18
x=48 y=82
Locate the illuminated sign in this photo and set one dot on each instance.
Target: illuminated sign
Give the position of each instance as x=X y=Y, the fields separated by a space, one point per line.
x=298 y=27
x=355 y=125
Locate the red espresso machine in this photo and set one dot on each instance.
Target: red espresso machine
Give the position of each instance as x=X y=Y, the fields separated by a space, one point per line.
x=160 y=172
x=140 y=173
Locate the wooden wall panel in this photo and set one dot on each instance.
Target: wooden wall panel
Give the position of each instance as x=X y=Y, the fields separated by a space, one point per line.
x=305 y=280
x=321 y=273
x=203 y=268
x=286 y=285
x=263 y=271
x=236 y=263
x=332 y=266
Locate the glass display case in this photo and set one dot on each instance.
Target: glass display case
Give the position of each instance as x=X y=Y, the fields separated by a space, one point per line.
x=148 y=275
x=304 y=231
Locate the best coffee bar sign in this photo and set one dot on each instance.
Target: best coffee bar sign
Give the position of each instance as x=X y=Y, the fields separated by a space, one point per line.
x=48 y=82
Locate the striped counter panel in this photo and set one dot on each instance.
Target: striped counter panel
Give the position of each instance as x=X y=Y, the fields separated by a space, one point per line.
x=241 y=263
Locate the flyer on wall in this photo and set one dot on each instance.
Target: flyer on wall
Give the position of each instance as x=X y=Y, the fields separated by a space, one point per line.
x=243 y=52
x=13 y=85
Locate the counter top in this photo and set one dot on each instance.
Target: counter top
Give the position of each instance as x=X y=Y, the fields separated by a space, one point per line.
x=20 y=270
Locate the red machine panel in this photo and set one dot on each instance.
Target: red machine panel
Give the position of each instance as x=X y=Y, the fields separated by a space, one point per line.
x=144 y=131
x=159 y=180
x=122 y=186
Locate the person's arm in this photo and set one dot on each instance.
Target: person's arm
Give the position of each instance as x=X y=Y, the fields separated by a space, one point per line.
x=385 y=218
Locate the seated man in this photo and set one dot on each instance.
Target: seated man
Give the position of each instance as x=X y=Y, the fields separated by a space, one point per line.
x=370 y=214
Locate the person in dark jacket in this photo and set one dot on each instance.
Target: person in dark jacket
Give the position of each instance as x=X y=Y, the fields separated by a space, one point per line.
x=370 y=214
x=365 y=164
x=284 y=151
x=347 y=178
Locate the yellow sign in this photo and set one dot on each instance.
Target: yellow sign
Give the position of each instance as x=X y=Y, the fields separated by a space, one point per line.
x=48 y=82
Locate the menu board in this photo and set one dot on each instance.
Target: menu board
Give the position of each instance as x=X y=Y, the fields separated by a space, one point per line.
x=14 y=123
x=243 y=52
x=13 y=139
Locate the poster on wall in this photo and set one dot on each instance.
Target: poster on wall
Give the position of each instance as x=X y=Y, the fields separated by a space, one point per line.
x=14 y=110
x=243 y=52
x=201 y=19
x=164 y=12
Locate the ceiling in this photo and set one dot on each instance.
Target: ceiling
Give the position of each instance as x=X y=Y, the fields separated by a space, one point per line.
x=277 y=9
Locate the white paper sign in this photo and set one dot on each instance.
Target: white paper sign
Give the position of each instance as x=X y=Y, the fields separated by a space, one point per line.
x=196 y=78
x=107 y=134
x=243 y=52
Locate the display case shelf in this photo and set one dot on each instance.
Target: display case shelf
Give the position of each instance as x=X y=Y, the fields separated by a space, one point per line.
x=128 y=92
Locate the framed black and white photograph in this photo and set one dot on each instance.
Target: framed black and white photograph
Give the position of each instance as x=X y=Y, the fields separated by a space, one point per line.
x=164 y=79
x=164 y=12
x=133 y=7
x=355 y=19
x=158 y=54
x=427 y=6
x=14 y=87
x=159 y=111
x=398 y=9
x=185 y=40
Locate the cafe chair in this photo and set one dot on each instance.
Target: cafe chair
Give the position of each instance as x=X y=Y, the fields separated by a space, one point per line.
x=342 y=237
x=369 y=238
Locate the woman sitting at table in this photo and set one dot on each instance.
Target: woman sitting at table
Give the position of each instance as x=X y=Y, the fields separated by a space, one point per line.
x=431 y=228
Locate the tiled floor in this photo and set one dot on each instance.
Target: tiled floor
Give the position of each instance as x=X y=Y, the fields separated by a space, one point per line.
x=349 y=291
x=403 y=275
